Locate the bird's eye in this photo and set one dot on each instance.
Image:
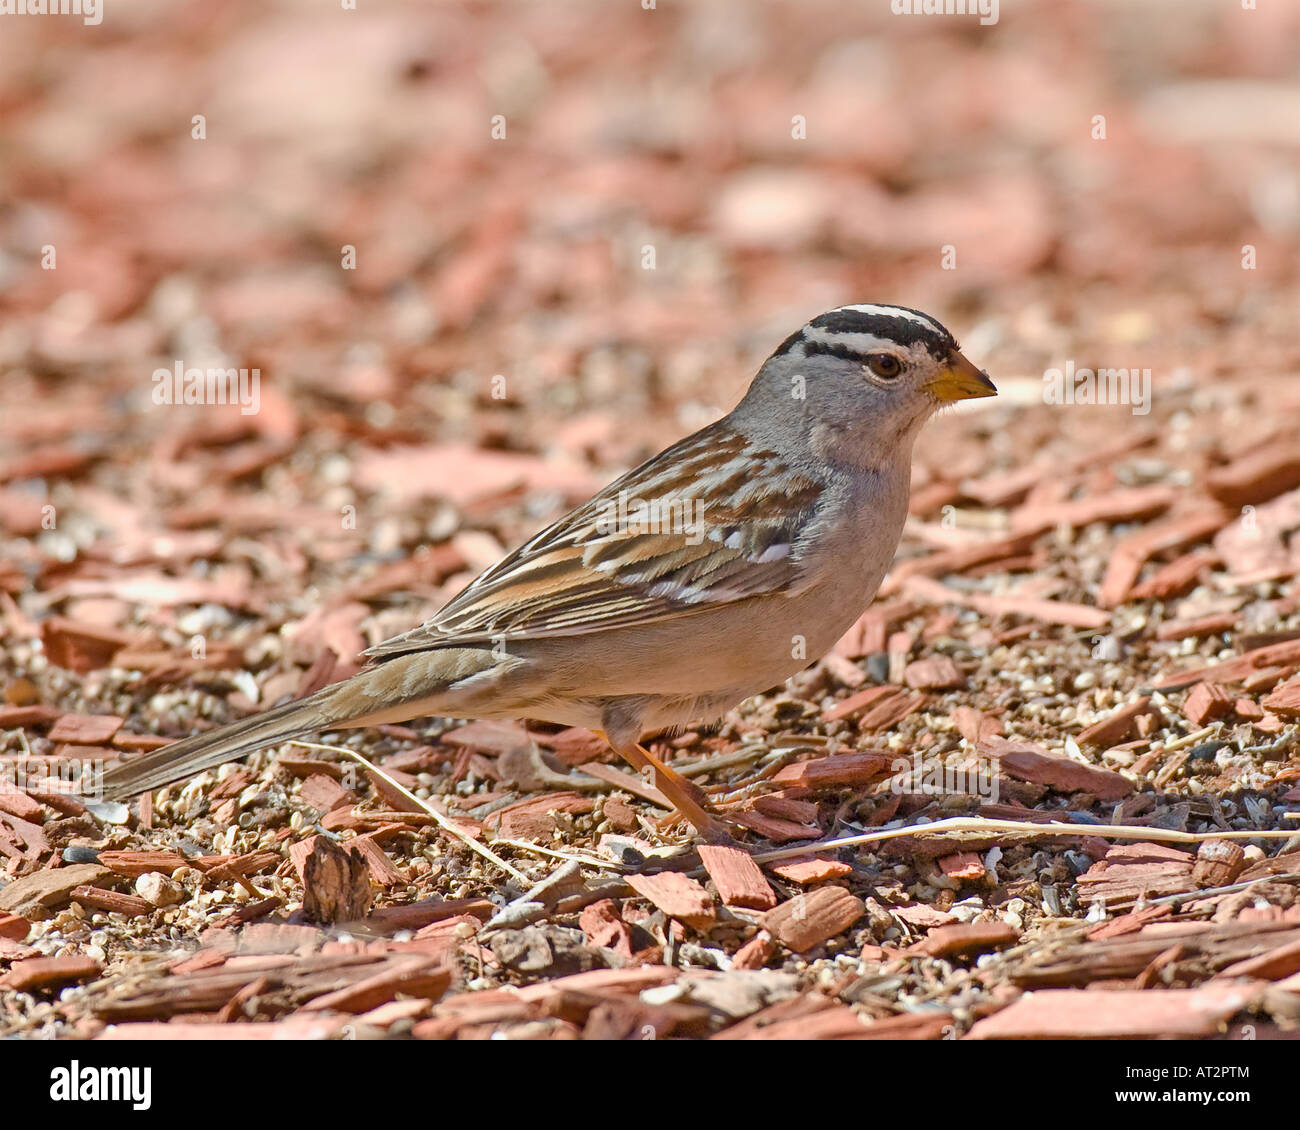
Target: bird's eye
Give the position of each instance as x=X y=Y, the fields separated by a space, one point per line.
x=884 y=365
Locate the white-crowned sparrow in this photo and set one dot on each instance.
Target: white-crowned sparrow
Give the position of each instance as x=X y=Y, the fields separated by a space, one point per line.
x=715 y=570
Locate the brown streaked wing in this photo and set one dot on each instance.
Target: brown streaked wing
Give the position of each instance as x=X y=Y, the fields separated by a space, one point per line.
x=578 y=575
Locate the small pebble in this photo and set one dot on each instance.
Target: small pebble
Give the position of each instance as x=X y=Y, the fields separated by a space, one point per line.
x=158 y=890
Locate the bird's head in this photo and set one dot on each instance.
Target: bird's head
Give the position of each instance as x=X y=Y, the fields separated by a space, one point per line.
x=859 y=381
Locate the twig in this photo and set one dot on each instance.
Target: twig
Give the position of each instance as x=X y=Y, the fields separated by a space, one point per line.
x=1231 y=888
x=585 y=860
x=986 y=825
x=442 y=822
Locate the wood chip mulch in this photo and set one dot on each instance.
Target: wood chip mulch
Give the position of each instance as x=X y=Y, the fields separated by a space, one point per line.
x=1093 y=619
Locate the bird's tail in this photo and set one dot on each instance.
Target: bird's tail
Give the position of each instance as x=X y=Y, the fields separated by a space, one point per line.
x=194 y=754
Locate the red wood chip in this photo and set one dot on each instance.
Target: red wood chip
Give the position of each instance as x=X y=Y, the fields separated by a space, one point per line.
x=532 y=818
x=87 y=729
x=133 y=864
x=49 y=972
x=1202 y=626
x=1029 y=762
x=414 y=976
x=839 y=770
x=1206 y=702
x=324 y=793
x=382 y=869
x=1271 y=966
x=962 y=865
x=809 y=919
x=13 y=717
x=604 y=927
x=1117 y=1014
x=18 y=803
x=1257 y=476
x=856 y=702
x=737 y=877
x=1285 y=700
x=974 y=725
x=14 y=927
x=678 y=896
x=810 y=869
x=1116 y=726
x=968 y=937
x=80 y=647
x=937 y=672
x=755 y=953
x=286 y=1028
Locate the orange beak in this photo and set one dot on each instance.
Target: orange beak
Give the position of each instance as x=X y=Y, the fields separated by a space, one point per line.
x=961 y=381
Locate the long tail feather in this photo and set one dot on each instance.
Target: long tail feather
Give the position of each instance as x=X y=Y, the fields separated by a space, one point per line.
x=194 y=754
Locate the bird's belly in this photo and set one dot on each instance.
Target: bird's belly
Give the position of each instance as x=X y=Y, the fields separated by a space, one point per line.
x=705 y=654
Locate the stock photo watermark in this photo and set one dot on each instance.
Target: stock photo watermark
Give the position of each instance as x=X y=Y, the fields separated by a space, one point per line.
x=920 y=776
x=1076 y=385
x=90 y=11
x=63 y=776
x=179 y=385
x=987 y=10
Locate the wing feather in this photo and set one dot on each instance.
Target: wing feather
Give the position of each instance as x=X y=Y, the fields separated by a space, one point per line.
x=593 y=570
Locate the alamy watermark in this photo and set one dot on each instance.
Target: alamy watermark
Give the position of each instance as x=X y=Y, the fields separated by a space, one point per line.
x=919 y=776
x=69 y=776
x=90 y=11
x=1072 y=385
x=632 y=515
x=987 y=10
x=179 y=385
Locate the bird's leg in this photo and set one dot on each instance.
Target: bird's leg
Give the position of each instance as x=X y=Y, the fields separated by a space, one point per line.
x=678 y=790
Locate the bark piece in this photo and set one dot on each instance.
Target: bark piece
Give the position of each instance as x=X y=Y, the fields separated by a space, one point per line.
x=840 y=770
x=964 y=866
x=1116 y=726
x=50 y=887
x=1218 y=863
x=80 y=647
x=1118 y=1014
x=1285 y=700
x=1256 y=477
x=1178 y=576
x=967 y=937
x=85 y=729
x=336 y=882
x=112 y=902
x=809 y=919
x=1032 y=763
x=49 y=972
x=1270 y=966
x=18 y=803
x=14 y=927
x=133 y=864
x=937 y=672
x=382 y=869
x=858 y=702
x=1207 y=702
x=975 y=726
x=324 y=793
x=1132 y=552
x=532 y=818
x=415 y=976
x=604 y=927
x=810 y=869
x=678 y=896
x=738 y=878
x=1211 y=625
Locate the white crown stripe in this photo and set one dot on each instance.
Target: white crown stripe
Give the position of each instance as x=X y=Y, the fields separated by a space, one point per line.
x=858 y=342
x=896 y=312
